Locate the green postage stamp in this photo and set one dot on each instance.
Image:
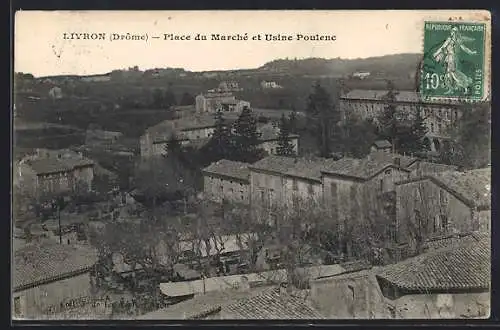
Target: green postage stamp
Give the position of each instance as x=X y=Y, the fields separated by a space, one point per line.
x=454 y=61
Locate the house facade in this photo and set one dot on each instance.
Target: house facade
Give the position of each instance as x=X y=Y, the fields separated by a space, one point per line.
x=438 y=117
x=351 y=185
x=51 y=278
x=215 y=100
x=227 y=180
x=416 y=288
x=444 y=202
x=53 y=172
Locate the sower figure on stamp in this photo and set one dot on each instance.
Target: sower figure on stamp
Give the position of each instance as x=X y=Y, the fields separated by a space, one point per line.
x=447 y=53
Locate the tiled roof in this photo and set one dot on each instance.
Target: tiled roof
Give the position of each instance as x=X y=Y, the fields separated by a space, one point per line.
x=200 y=304
x=463 y=266
x=278 y=164
x=357 y=168
x=456 y=240
x=309 y=168
x=382 y=144
x=389 y=158
x=38 y=264
x=230 y=168
x=429 y=168
x=272 y=304
x=55 y=161
x=167 y=127
x=46 y=166
x=474 y=185
x=402 y=96
x=367 y=94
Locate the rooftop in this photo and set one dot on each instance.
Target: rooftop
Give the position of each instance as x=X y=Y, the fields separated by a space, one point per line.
x=358 y=168
x=48 y=262
x=382 y=144
x=367 y=94
x=465 y=265
x=277 y=164
x=168 y=127
x=272 y=304
x=474 y=185
x=389 y=158
x=203 y=303
x=230 y=168
x=309 y=168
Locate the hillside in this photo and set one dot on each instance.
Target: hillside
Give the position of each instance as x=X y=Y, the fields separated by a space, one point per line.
x=389 y=65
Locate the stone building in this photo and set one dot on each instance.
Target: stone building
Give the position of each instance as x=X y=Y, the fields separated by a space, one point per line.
x=51 y=278
x=196 y=130
x=267 y=180
x=269 y=139
x=215 y=100
x=438 y=116
x=419 y=287
x=231 y=86
x=186 y=129
x=54 y=171
x=351 y=186
x=269 y=84
x=227 y=180
x=445 y=202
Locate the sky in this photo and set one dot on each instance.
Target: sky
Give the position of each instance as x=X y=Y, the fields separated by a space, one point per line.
x=40 y=47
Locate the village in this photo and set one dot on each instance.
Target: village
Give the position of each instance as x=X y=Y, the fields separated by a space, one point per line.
x=353 y=207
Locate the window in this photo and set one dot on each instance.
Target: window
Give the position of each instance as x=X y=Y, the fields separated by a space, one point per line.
x=432 y=127
x=294 y=185
x=310 y=189
x=443 y=200
x=17 y=306
x=262 y=197
x=382 y=184
x=241 y=195
x=221 y=188
x=444 y=222
x=388 y=172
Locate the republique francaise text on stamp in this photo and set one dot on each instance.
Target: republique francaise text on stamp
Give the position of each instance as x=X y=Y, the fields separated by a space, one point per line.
x=453 y=65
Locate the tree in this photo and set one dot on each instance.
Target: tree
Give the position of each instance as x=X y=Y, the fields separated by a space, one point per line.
x=411 y=138
x=246 y=138
x=158 y=100
x=173 y=146
x=358 y=136
x=323 y=117
x=470 y=144
x=293 y=122
x=220 y=146
x=389 y=118
x=187 y=99
x=162 y=179
x=285 y=147
x=169 y=99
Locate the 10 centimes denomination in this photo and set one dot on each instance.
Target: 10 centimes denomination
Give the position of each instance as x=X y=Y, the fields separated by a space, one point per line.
x=454 y=61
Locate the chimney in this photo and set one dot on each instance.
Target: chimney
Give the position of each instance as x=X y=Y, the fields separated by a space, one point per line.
x=397 y=161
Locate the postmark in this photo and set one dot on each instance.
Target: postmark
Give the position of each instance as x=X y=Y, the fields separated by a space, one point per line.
x=454 y=61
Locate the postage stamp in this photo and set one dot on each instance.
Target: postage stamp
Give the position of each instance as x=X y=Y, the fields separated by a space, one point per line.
x=454 y=61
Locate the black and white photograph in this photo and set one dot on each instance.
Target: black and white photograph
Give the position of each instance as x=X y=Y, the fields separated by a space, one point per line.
x=251 y=165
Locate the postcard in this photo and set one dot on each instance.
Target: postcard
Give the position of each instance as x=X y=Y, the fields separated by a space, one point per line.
x=243 y=165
